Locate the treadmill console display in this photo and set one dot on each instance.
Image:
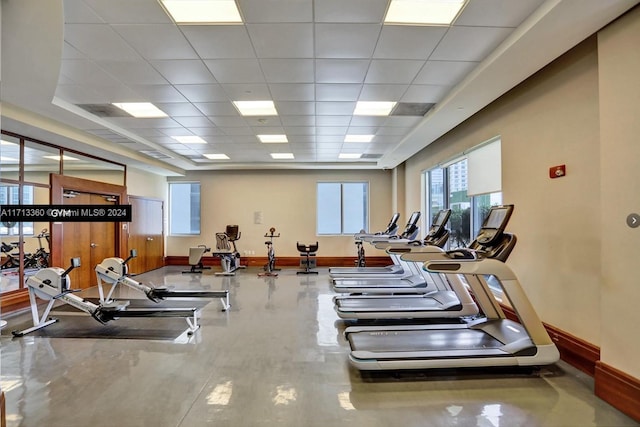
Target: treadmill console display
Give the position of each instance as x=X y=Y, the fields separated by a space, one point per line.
x=439 y=222
x=494 y=224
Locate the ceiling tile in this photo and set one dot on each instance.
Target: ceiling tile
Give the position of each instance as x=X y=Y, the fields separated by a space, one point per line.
x=228 y=121
x=496 y=13
x=99 y=41
x=382 y=92
x=70 y=52
x=282 y=40
x=469 y=43
x=132 y=72
x=292 y=92
x=444 y=72
x=130 y=11
x=217 y=109
x=425 y=93
x=290 y=121
x=385 y=71
x=408 y=42
x=352 y=11
x=333 y=121
x=247 y=92
x=78 y=12
x=158 y=93
x=335 y=108
x=346 y=40
x=295 y=108
x=157 y=41
x=194 y=121
x=235 y=70
x=203 y=93
x=259 y=11
x=179 y=109
x=219 y=41
x=341 y=70
x=338 y=92
x=368 y=120
x=184 y=71
x=288 y=70
x=86 y=72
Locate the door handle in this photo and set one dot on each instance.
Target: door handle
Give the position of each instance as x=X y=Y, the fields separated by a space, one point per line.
x=149 y=239
x=93 y=245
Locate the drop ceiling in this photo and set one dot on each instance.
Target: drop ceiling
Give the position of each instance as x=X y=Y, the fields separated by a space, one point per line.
x=313 y=58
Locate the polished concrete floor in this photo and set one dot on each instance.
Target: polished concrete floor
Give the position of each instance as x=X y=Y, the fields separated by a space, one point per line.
x=277 y=357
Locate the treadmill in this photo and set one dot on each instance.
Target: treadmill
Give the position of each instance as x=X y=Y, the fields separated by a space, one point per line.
x=410 y=232
x=492 y=340
x=450 y=301
x=391 y=230
x=413 y=276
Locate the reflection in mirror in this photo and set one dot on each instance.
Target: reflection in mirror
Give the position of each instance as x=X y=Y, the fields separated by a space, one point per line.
x=9 y=158
x=85 y=167
x=40 y=161
x=10 y=244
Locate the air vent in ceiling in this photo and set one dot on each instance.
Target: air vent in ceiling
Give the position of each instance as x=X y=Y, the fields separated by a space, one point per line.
x=104 y=110
x=156 y=154
x=371 y=156
x=411 y=109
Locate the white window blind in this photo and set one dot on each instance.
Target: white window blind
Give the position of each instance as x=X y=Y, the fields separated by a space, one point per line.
x=485 y=169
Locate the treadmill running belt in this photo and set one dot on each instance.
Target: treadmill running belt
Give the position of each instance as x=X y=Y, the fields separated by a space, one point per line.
x=401 y=341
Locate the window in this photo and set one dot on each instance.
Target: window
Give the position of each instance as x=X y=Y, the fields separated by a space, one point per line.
x=9 y=196
x=468 y=185
x=342 y=207
x=184 y=208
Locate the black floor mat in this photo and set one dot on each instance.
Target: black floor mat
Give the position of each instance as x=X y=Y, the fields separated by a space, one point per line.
x=73 y=323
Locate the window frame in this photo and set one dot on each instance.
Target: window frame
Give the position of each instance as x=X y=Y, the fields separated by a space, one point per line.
x=366 y=208
x=171 y=212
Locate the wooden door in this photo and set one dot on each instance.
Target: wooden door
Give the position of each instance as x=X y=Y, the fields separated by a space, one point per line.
x=76 y=243
x=91 y=241
x=146 y=234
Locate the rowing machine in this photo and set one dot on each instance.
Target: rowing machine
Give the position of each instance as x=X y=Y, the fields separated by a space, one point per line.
x=53 y=284
x=113 y=271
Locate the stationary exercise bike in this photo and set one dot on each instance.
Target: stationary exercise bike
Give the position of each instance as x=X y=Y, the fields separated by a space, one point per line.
x=227 y=252
x=195 y=259
x=270 y=266
x=360 y=262
x=40 y=258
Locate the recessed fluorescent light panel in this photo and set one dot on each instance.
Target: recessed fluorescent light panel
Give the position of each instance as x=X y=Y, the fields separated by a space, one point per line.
x=358 y=138
x=282 y=156
x=349 y=155
x=3 y=142
x=216 y=156
x=141 y=110
x=423 y=12
x=256 y=108
x=272 y=139
x=373 y=108
x=203 y=11
x=8 y=159
x=189 y=139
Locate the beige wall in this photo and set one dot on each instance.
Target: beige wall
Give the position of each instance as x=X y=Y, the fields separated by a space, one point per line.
x=549 y=120
x=287 y=200
x=619 y=64
x=575 y=252
x=146 y=184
